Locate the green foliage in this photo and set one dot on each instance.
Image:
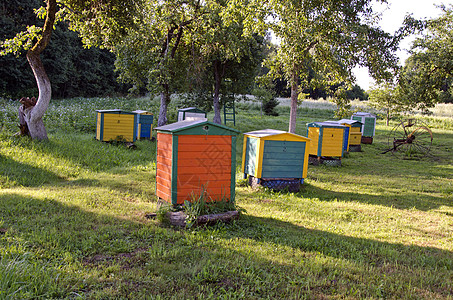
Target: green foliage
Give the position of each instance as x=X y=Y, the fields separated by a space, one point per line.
x=427 y=76
x=389 y=99
x=72 y=69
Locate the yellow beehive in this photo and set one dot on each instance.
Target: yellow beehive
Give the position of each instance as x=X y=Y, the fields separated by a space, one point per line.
x=116 y=125
x=327 y=139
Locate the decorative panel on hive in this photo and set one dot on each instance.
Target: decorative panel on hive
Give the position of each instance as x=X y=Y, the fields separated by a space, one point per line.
x=327 y=139
x=275 y=158
x=144 y=124
x=116 y=125
x=194 y=157
x=368 y=121
x=191 y=114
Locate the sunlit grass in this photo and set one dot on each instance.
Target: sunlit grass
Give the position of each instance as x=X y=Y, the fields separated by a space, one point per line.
x=73 y=220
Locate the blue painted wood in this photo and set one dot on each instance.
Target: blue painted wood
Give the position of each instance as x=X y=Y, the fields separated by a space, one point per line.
x=250 y=156
x=346 y=139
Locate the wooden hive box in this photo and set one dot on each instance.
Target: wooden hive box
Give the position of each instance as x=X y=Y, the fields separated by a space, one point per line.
x=144 y=124
x=195 y=156
x=116 y=125
x=327 y=139
x=368 y=121
x=347 y=134
x=355 y=133
x=277 y=159
x=191 y=114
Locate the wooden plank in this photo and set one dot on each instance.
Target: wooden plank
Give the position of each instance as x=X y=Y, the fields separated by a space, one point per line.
x=163 y=181
x=211 y=170
x=205 y=139
x=204 y=155
x=280 y=174
x=203 y=177
x=203 y=147
x=206 y=163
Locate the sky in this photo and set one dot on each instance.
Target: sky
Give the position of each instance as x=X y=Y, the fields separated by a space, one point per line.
x=392 y=17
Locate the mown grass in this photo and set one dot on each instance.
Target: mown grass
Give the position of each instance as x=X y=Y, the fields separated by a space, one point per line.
x=73 y=225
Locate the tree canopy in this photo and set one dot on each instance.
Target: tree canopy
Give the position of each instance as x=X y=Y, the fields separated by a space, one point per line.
x=427 y=76
x=328 y=37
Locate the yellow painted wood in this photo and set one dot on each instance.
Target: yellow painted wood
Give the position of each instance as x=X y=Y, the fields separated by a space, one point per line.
x=305 y=169
x=313 y=135
x=98 y=127
x=355 y=129
x=139 y=131
x=349 y=135
x=244 y=148
x=116 y=125
x=260 y=151
x=332 y=142
x=355 y=138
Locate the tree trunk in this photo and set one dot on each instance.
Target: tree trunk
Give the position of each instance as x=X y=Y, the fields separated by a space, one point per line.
x=33 y=115
x=218 y=79
x=294 y=96
x=164 y=101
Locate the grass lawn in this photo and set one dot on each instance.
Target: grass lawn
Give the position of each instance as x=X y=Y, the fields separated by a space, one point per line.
x=73 y=225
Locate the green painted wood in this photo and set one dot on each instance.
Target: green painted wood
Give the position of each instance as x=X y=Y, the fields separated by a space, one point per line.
x=278 y=163
x=233 y=169
x=368 y=129
x=251 y=156
x=281 y=174
x=174 y=170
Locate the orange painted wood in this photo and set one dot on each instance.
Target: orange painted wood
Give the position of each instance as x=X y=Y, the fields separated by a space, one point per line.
x=205 y=139
x=221 y=155
x=203 y=147
x=164 y=160
x=205 y=177
x=209 y=170
x=163 y=181
x=206 y=163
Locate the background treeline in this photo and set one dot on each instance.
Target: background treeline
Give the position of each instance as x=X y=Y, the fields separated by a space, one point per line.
x=74 y=71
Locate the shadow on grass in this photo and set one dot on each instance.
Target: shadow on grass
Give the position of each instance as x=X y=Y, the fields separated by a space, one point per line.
x=94 y=246
x=13 y=173
x=359 y=250
x=394 y=199
x=84 y=151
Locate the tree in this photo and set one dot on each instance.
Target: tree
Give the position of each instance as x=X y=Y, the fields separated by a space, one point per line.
x=388 y=98
x=331 y=37
x=189 y=47
x=99 y=22
x=427 y=76
x=156 y=54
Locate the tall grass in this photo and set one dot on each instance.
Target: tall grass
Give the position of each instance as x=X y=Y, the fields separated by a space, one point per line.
x=73 y=220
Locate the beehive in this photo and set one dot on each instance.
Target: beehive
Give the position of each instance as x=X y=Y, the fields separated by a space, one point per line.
x=327 y=139
x=191 y=114
x=276 y=158
x=355 y=134
x=116 y=125
x=347 y=134
x=368 y=121
x=144 y=124
x=195 y=157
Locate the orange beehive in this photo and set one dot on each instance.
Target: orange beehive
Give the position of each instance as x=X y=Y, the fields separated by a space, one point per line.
x=195 y=157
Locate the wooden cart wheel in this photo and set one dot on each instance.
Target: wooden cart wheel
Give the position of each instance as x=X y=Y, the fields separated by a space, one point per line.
x=410 y=139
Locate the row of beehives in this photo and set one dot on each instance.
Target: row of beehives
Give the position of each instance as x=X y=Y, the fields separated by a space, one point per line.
x=121 y=125
x=199 y=156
